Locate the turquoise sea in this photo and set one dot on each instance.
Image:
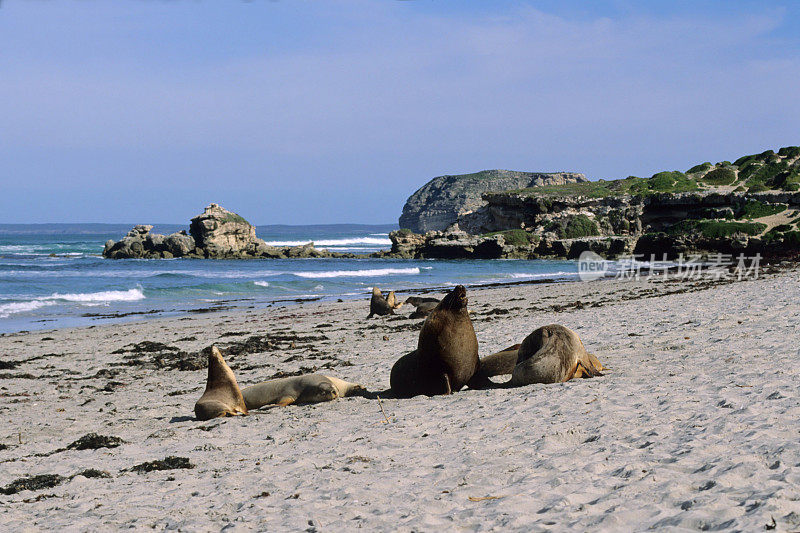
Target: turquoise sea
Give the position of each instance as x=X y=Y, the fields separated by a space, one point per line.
x=53 y=275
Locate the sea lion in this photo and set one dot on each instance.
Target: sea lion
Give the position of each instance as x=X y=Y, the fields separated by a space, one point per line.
x=307 y=388
x=223 y=397
x=500 y=363
x=423 y=309
x=392 y=300
x=446 y=357
x=553 y=354
x=416 y=301
x=378 y=305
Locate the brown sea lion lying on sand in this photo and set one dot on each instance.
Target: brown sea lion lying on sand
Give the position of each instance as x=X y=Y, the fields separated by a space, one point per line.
x=551 y=354
x=446 y=357
x=223 y=397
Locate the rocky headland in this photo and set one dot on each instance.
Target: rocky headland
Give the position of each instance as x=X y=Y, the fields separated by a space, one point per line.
x=440 y=202
x=216 y=233
x=749 y=206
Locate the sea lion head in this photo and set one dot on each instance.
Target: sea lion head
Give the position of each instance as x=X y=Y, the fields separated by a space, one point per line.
x=376 y=291
x=345 y=388
x=455 y=300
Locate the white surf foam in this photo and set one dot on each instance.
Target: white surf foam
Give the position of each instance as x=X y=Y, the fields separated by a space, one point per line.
x=89 y=298
x=261 y=283
x=333 y=242
x=130 y=295
x=367 y=273
x=21 y=307
x=543 y=275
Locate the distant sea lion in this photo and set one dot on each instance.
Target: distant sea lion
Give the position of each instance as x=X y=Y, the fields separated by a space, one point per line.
x=378 y=305
x=553 y=354
x=392 y=300
x=446 y=357
x=223 y=397
x=423 y=309
x=416 y=301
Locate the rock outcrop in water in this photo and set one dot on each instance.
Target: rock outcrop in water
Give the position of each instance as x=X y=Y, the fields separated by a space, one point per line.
x=441 y=201
x=220 y=233
x=214 y=234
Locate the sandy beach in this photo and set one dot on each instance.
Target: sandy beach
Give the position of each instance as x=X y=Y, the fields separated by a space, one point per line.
x=694 y=425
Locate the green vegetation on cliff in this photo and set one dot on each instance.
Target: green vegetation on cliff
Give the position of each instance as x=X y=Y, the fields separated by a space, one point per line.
x=755 y=209
x=702 y=167
x=714 y=229
x=580 y=226
x=233 y=217
x=514 y=237
x=661 y=182
x=752 y=173
x=719 y=176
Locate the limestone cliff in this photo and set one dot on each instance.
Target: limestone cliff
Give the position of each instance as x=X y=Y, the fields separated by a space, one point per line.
x=749 y=206
x=439 y=203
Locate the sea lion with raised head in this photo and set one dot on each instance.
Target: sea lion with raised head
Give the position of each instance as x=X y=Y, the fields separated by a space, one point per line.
x=446 y=357
x=378 y=304
x=223 y=397
x=553 y=354
x=392 y=300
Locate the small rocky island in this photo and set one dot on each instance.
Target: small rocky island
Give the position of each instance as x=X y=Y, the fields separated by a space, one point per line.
x=749 y=206
x=216 y=233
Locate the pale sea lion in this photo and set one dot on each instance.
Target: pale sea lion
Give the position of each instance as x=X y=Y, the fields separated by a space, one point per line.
x=392 y=300
x=223 y=397
x=307 y=388
x=553 y=354
x=378 y=305
x=446 y=357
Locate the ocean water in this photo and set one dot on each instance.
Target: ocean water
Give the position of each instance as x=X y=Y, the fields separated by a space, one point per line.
x=54 y=275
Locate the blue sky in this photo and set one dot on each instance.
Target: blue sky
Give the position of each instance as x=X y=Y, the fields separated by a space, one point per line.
x=144 y=111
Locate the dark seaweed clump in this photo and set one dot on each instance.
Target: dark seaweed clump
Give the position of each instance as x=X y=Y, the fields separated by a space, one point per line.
x=92 y=473
x=93 y=441
x=168 y=463
x=42 y=481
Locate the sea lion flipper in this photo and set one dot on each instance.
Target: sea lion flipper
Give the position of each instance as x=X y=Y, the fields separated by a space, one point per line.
x=286 y=400
x=583 y=370
x=447 y=387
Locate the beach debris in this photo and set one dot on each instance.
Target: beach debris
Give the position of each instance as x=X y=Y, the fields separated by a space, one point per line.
x=483 y=498
x=385 y=418
x=92 y=473
x=93 y=441
x=38 y=482
x=171 y=462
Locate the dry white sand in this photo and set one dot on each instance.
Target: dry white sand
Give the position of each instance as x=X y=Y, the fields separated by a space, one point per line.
x=695 y=425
